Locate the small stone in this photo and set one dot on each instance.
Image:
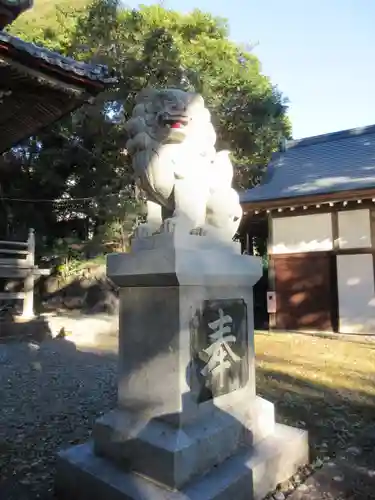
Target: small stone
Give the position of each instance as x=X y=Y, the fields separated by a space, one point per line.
x=25 y=481
x=302 y=487
x=317 y=463
x=35 y=463
x=354 y=450
x=308 y=469
x=279 y=495
x=284 y=487
x=288 y=488
x=297 y=479
x=362 y=470
x=338 y=479
x=33 y=347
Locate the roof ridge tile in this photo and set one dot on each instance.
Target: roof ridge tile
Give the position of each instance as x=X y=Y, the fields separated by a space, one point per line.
x=93 y=72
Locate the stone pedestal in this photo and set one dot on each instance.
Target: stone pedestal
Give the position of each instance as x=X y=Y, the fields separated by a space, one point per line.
x=188 y=424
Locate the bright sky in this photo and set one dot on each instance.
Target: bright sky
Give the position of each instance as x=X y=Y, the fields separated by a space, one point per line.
x=320 y=53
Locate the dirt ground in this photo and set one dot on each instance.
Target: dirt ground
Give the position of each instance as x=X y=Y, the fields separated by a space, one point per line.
x=52 y=392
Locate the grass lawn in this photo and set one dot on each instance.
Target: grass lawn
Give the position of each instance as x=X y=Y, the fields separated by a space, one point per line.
x=324 y=385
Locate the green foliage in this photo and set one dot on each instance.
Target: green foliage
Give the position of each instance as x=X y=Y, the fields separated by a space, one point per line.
x=72 y=268
x=115 y=233
x=69 y=268
x=82 y=156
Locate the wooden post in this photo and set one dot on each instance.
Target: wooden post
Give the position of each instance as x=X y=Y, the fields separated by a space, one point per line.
x=271 y=276
x=250 y=243
x=28 y=302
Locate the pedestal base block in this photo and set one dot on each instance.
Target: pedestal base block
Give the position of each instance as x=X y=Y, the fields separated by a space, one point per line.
x=248 y=475
x=188 y=424
x=173 y=455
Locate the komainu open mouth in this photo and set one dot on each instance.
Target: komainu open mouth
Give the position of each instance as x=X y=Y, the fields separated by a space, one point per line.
x=175 y=122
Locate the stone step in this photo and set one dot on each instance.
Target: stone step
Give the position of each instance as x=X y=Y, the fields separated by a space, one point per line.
x=173 y=454
x=248 y=475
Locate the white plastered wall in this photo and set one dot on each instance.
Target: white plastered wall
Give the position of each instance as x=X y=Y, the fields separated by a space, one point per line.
x=302 y=233
x=355 y=281
x=354 y=229
x=355 y=274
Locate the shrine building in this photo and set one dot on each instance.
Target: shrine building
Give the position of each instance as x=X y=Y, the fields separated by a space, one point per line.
x=317 y=202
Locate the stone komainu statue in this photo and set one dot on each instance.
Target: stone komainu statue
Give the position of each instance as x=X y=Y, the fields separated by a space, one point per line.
x=187 y=183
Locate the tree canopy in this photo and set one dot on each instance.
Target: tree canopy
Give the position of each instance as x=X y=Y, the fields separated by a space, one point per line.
x=82 y=157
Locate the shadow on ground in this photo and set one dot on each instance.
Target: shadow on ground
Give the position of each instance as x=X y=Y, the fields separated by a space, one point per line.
x=52 y=393
x=332 y=417
x=18 y=329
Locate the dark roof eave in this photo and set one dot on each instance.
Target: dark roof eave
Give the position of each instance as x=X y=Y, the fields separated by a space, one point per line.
x=93 y=77
x=40 y=128
x=296 y=201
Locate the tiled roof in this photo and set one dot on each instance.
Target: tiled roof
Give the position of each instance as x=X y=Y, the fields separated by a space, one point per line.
x=32 y=102
x=325 y=164
x=98 y=73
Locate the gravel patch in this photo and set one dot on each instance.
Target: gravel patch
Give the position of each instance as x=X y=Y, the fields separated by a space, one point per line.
x=51 y=394
x=350 y=476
